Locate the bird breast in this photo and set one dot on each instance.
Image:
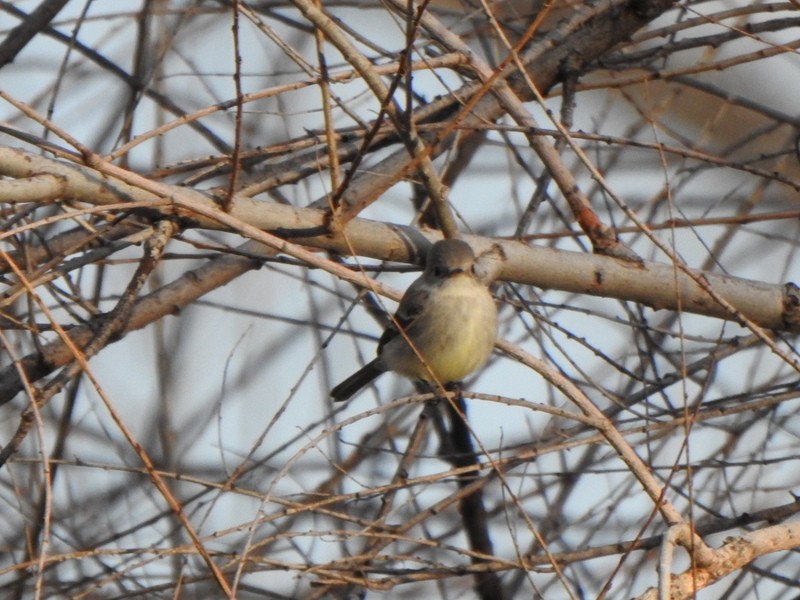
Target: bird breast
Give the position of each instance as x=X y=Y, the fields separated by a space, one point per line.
x=455 y=333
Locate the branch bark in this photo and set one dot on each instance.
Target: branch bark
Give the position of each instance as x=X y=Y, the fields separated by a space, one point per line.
x=658 y=285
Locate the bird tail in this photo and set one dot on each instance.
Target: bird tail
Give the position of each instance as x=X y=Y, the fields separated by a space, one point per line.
x=356 y=381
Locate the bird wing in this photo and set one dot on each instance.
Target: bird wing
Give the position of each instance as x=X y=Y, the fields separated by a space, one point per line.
x=411 y=305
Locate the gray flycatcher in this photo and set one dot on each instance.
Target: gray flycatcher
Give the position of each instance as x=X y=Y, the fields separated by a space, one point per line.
x=449 y=323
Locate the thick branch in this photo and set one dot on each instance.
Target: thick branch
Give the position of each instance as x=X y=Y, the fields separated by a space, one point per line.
x=659 y=285
x=734 y=554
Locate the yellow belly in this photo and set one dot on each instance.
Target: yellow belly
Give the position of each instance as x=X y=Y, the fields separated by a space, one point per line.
x=455 y=334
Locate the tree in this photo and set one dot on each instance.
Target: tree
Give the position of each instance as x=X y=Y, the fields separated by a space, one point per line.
x=209 y=208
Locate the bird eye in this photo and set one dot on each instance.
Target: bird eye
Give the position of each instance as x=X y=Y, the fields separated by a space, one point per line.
x=439 y=271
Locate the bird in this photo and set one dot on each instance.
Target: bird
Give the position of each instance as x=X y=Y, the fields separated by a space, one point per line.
x=444 y=328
